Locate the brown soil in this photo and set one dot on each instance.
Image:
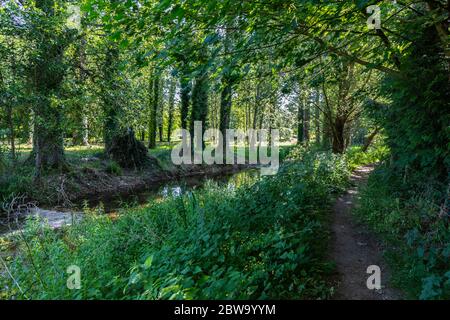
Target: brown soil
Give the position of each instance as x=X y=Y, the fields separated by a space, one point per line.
x=354 y=249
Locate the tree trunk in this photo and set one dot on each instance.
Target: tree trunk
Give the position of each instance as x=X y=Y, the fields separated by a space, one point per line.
x=111 y=105
x=338 y=138
x=326 y=136
x=160 y=110
x=85 y=130
x=225 y=108
x=47 y=76
x=257 y=106
x=306 y=122
x=48 y=136
x=12 y=136
x=199 y=110
x=317 y=118
x=300 y=121
x=370 y=139
x=227 y=88
x=83 y=76
x=185 y=93
x=31 y=128
x=153 y=104
x=171 y=102
x=121 y=144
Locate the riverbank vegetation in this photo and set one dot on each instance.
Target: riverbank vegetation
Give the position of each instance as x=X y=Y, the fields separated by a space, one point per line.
x=267 y=239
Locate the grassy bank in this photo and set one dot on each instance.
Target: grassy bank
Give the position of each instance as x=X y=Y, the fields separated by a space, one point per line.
x=264 y=240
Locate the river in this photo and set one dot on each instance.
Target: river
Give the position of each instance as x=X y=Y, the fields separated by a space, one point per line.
x=57 y=217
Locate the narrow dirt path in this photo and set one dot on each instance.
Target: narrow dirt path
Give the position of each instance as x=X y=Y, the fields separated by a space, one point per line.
x=354 y=249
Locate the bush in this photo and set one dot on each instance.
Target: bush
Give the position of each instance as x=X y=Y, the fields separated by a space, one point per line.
x=416 y=227
x=113 y=168
x=356 y=157
x=263 y=240
x=18 y=182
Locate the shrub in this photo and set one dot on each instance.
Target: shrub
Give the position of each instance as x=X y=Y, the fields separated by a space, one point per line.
x=356 y=157
x=411 y=219
x=113 y=168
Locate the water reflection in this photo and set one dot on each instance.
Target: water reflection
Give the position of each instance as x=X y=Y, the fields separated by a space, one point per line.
x=175 y=189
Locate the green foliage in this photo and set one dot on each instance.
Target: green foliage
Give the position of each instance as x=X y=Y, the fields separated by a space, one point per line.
x=263 y=240
x=416 y=227
x=113 y=168
x=416 y=121
x=356 y=157
x=17 y=182
x=222 y=243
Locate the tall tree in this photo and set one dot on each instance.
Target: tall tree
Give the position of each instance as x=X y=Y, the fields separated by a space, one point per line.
x=160 y=109
x=171 y=106
x=185 y=97
x=153 y=108
x=199 y=111
x=300 y=116
x=47 y=72
x=227 y=81
x=344 y=91
x=121 y=144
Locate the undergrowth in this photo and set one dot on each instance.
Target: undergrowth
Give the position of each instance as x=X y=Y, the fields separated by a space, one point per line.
x=413 y=219
x=265 y=240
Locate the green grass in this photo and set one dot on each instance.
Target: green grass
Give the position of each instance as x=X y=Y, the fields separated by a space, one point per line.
x=263 y=240
x=163 y=153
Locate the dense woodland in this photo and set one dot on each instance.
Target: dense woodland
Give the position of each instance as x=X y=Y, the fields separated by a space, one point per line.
x=94 y=89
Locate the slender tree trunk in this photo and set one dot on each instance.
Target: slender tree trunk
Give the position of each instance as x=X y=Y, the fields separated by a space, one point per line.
x=370 y=139
x=227 y=90
x=83 y=76
x=306 y=122
x=12 y=136
x=85 y=130
x=261 y=119
x=171 y=102
x=31 y=128
x=185 y=93
x=300 y=120
x=326 y=133
x=317 y=118
x=160 y=110
x=199 y=103
x=154 y=98
x=257 y=106
x=225 y=108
